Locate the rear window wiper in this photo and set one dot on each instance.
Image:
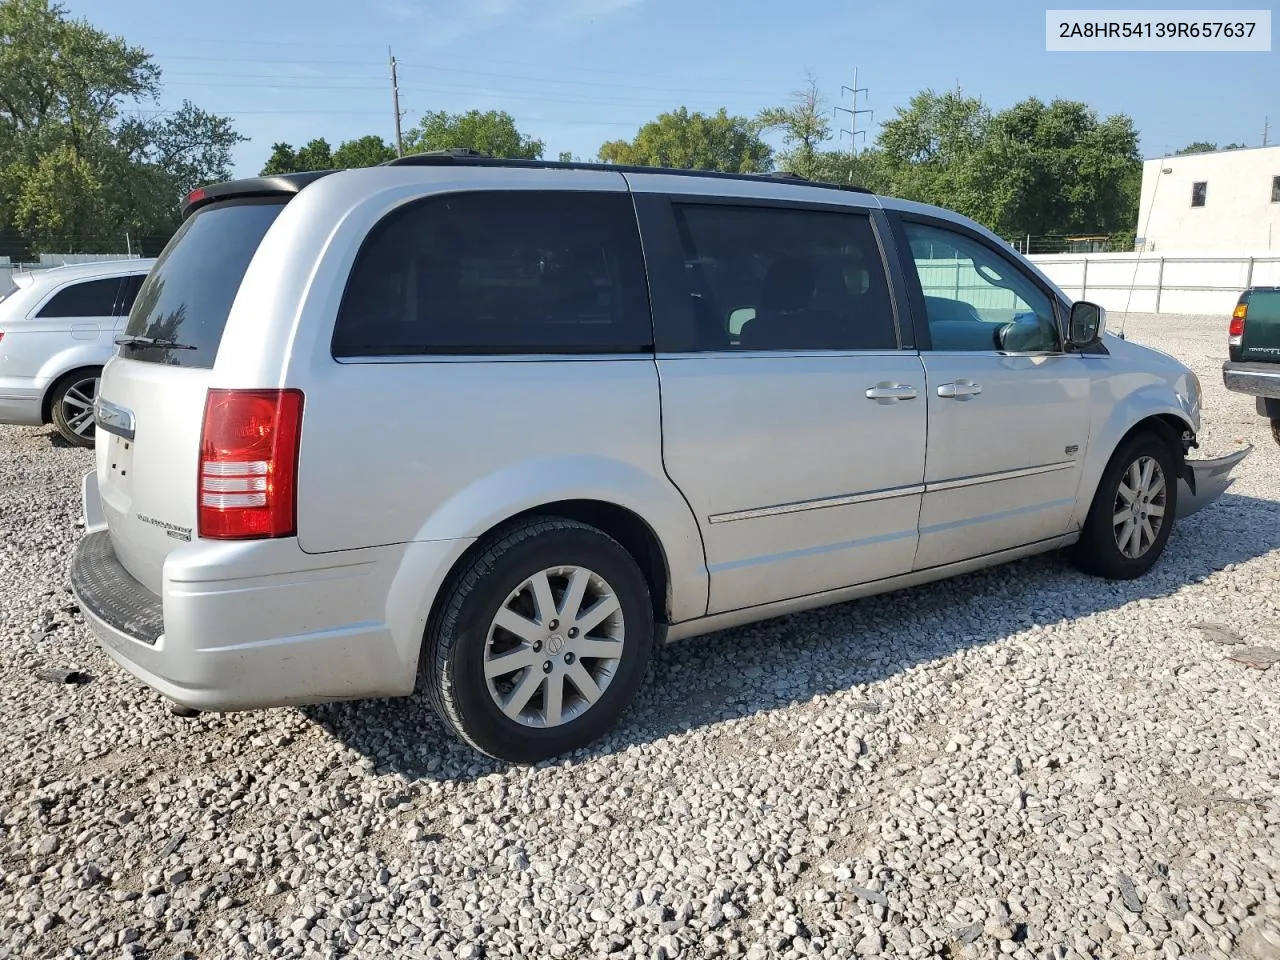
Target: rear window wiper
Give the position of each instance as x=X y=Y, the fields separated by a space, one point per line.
x=163 y=343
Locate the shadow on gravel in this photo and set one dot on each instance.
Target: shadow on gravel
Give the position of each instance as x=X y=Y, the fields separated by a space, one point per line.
x=765 y=666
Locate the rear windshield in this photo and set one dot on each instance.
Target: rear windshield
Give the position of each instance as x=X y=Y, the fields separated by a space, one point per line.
x=188 y=293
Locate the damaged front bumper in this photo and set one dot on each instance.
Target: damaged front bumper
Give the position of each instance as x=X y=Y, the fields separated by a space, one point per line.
x=1204 y=481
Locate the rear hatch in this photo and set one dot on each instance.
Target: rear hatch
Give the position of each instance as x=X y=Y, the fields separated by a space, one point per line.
x=160 y=376
x=1260 y=340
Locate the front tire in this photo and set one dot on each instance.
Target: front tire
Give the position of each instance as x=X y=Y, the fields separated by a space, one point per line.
x=1275 y=429
x=541 y=642
x=1133 y=511
x=71 y=407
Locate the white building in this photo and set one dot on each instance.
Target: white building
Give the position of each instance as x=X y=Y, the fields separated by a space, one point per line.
x=1228 y=201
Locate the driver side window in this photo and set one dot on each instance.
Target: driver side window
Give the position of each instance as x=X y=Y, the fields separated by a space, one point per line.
x=976 y=300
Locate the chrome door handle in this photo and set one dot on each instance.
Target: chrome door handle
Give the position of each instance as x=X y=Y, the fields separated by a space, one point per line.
x=888 y=392
x=960 y=390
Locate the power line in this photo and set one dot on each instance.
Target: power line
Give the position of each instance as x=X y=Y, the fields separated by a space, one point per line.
x=524 y=78
x=572 y=121
x=437 y=55
x=485 y=92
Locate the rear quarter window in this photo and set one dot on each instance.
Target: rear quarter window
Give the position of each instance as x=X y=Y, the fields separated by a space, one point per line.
x=187 y=296
x=501 y=272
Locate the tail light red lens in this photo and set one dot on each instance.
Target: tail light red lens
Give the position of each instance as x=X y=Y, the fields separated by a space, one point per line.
x=249 y=464
x=1237 y=321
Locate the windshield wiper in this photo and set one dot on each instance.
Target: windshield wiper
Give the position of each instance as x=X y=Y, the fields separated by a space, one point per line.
x=163 y=343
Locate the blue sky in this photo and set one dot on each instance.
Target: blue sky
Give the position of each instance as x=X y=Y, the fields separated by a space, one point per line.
x=578 y=72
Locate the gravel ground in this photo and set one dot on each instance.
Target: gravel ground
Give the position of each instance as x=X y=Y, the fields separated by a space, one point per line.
x=1021 y=762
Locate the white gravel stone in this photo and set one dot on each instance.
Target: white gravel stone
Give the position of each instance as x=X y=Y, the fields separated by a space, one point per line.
x=1024 y=762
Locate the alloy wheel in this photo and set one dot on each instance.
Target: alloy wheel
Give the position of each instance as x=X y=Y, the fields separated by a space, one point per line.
x=1140 y=504
x=77 y=406
x=554 y=646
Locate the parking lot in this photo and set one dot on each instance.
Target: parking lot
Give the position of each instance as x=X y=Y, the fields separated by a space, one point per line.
x=1020 y=762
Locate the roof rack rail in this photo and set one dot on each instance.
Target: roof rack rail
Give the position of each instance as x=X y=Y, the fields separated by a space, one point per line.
x=465 y=156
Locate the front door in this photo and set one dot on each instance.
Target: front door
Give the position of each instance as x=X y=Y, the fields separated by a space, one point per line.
x=1008 y=409
x=792 y=422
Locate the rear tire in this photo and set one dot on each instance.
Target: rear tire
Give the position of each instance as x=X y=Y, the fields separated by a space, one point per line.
x=541 y=642
x=1275 y=429
x=1133 y=511
x=71 y=407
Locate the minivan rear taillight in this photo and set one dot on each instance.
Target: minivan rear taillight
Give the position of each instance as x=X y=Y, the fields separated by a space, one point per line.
x=249 y=464
x=1235 y=333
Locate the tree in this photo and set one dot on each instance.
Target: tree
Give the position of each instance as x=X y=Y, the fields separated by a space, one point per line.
x=192 y=145
x=1204 y=146
x=865 y=169
x=933 y=151
x=492 y=132
x=59 y=195
x=315 y=155
x=804 y=127
x=1062 y=170
x=1034 y=168
x=75 y=170
x=62 y=78
x=694 y=141
x=363 y=152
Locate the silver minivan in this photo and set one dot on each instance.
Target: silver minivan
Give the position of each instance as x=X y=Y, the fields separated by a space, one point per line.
x=494 y=429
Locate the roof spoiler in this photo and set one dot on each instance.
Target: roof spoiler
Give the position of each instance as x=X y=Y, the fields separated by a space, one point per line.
x=284 y=185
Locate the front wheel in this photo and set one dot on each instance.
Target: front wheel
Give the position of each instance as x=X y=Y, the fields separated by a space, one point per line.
x=1133 y=511
x=541 y=643
x=71 y=407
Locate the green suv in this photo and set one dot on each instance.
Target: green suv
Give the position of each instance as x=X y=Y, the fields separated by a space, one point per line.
x=1254 y=350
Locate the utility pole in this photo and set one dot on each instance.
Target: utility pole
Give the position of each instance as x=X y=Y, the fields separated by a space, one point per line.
x=395 y=104
x=1266 y=130
x=854 y=112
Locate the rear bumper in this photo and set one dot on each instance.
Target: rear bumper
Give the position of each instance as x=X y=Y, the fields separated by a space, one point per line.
x=246 y=625
x=203 y=646
x=1255 y=379
x=1204 y=481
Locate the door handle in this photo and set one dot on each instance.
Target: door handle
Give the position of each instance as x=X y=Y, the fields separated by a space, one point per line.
x=888 y=392
x=960 y=390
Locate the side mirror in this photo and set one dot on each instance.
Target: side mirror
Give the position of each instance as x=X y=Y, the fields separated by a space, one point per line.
x=1085 y=326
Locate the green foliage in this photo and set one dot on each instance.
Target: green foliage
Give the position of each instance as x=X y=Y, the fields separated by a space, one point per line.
x=363 y=152
x=1062 y=170
x=935 y=151
x=804 y=127
x=694 y=141
x=866 y=169
x=76 y=173
x=60 y=194
x=1034 y=168
x=492 y=132
x=366 y=151
x=315 y=155
x=1199 y=146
